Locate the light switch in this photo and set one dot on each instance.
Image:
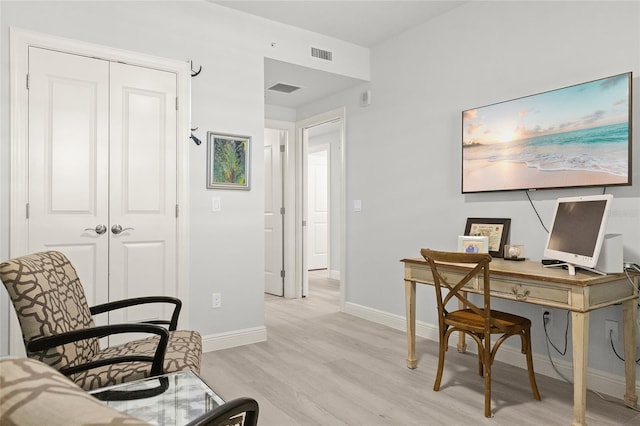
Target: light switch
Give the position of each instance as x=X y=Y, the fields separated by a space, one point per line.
x=357 y=205
x=216 y=204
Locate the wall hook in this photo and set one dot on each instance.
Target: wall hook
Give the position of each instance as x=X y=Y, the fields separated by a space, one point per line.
x=194 y=137
x=193 y=72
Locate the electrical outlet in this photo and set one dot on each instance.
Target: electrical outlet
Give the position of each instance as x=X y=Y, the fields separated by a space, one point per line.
x=216 y=300
x=546 y=317
x=611 y=330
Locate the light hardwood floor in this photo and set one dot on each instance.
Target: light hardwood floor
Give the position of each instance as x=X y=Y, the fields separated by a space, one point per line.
x=323 y=367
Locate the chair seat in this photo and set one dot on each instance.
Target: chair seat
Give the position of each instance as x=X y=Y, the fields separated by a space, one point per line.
x=473 y=322
x=177 y=358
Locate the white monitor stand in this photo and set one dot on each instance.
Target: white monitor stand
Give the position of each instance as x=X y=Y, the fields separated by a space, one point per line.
x=571 y=268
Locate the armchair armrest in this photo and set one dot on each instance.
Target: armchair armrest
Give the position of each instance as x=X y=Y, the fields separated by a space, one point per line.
x=124 y=303
x=223 y=413
x=157 y=361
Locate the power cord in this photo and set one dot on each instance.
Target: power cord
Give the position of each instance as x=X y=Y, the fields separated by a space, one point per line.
x=551 y=360
x=545 y=321
x=635 y=268
x=536 y=212
x=614 y=348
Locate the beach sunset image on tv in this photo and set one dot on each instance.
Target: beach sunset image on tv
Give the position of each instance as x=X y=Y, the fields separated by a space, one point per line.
x=574 y=136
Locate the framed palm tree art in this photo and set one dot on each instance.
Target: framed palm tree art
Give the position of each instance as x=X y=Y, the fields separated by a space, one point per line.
x=228 y=161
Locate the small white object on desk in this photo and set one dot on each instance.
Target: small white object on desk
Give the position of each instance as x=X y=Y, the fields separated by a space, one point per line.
x=513 y=252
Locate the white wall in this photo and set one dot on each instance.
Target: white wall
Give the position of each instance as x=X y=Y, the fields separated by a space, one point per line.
x=404 y=157
x=226 y=248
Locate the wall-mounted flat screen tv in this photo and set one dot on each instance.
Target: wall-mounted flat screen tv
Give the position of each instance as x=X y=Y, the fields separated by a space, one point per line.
x=575 y=136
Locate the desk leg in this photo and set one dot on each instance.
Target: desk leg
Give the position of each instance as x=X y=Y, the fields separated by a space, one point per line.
x=580 y=330
x=410 y=300
x=629 y=317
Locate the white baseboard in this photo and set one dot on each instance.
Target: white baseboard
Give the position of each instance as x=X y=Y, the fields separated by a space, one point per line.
x=334 y=275
x=599 y=381
x=215 y=342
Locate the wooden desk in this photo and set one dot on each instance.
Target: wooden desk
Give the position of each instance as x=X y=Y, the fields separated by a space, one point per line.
x=529 y=282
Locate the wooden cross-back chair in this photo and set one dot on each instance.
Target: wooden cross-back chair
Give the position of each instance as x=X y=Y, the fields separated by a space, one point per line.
x=478 y=322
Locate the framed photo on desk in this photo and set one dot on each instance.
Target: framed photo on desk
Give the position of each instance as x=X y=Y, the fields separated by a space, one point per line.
x=497 y=230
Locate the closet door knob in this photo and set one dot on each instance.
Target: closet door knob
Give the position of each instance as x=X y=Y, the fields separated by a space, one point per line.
x=117 y=229
x=99 y=229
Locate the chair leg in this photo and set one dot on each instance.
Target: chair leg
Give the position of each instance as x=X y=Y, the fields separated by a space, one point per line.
x=487 y=378
x=480 y=364
x=442 y=348
x=526 y=340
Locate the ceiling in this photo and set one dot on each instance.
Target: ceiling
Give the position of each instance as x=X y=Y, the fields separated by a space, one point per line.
x=365 y=23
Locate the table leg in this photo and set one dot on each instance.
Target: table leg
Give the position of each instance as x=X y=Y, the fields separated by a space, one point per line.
x=580 y=330
x=410 y=300
x=629 y=318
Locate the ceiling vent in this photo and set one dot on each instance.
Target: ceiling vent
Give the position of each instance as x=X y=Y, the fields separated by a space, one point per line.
x=283 y=88
x=321 y=54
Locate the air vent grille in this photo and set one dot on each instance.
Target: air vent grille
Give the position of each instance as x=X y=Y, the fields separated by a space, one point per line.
x=321 y=54
x=283 y=88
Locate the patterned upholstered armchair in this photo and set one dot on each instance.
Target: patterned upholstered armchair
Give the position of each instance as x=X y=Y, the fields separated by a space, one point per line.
x=58 y=327
x=33 y=393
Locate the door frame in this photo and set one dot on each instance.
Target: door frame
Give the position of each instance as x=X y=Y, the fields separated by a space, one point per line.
x=300 y=255
x=20 y=41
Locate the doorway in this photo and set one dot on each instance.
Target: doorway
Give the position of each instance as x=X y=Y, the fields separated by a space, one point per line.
x=322 y=133
x=323 y=129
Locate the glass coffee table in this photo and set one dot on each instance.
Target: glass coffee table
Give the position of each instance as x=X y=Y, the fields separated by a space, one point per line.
x=171 y=399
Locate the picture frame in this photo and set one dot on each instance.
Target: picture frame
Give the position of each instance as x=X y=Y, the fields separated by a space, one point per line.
x=228 y=161
x=495 y=229
x=475 y=244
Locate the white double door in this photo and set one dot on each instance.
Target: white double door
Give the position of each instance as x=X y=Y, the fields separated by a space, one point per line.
x=102 y=185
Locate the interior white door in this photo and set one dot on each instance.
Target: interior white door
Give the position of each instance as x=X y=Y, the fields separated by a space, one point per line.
x=103 y=175
x=318 y=208
x=143 y=181
x=69 y=163
x=273 y=219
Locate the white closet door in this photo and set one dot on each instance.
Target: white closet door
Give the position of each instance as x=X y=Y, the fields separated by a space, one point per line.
x=68 y=163
x=102 y=152
x=143 y=185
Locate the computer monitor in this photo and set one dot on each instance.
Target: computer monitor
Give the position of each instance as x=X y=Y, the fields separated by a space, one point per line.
x=578 y=230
